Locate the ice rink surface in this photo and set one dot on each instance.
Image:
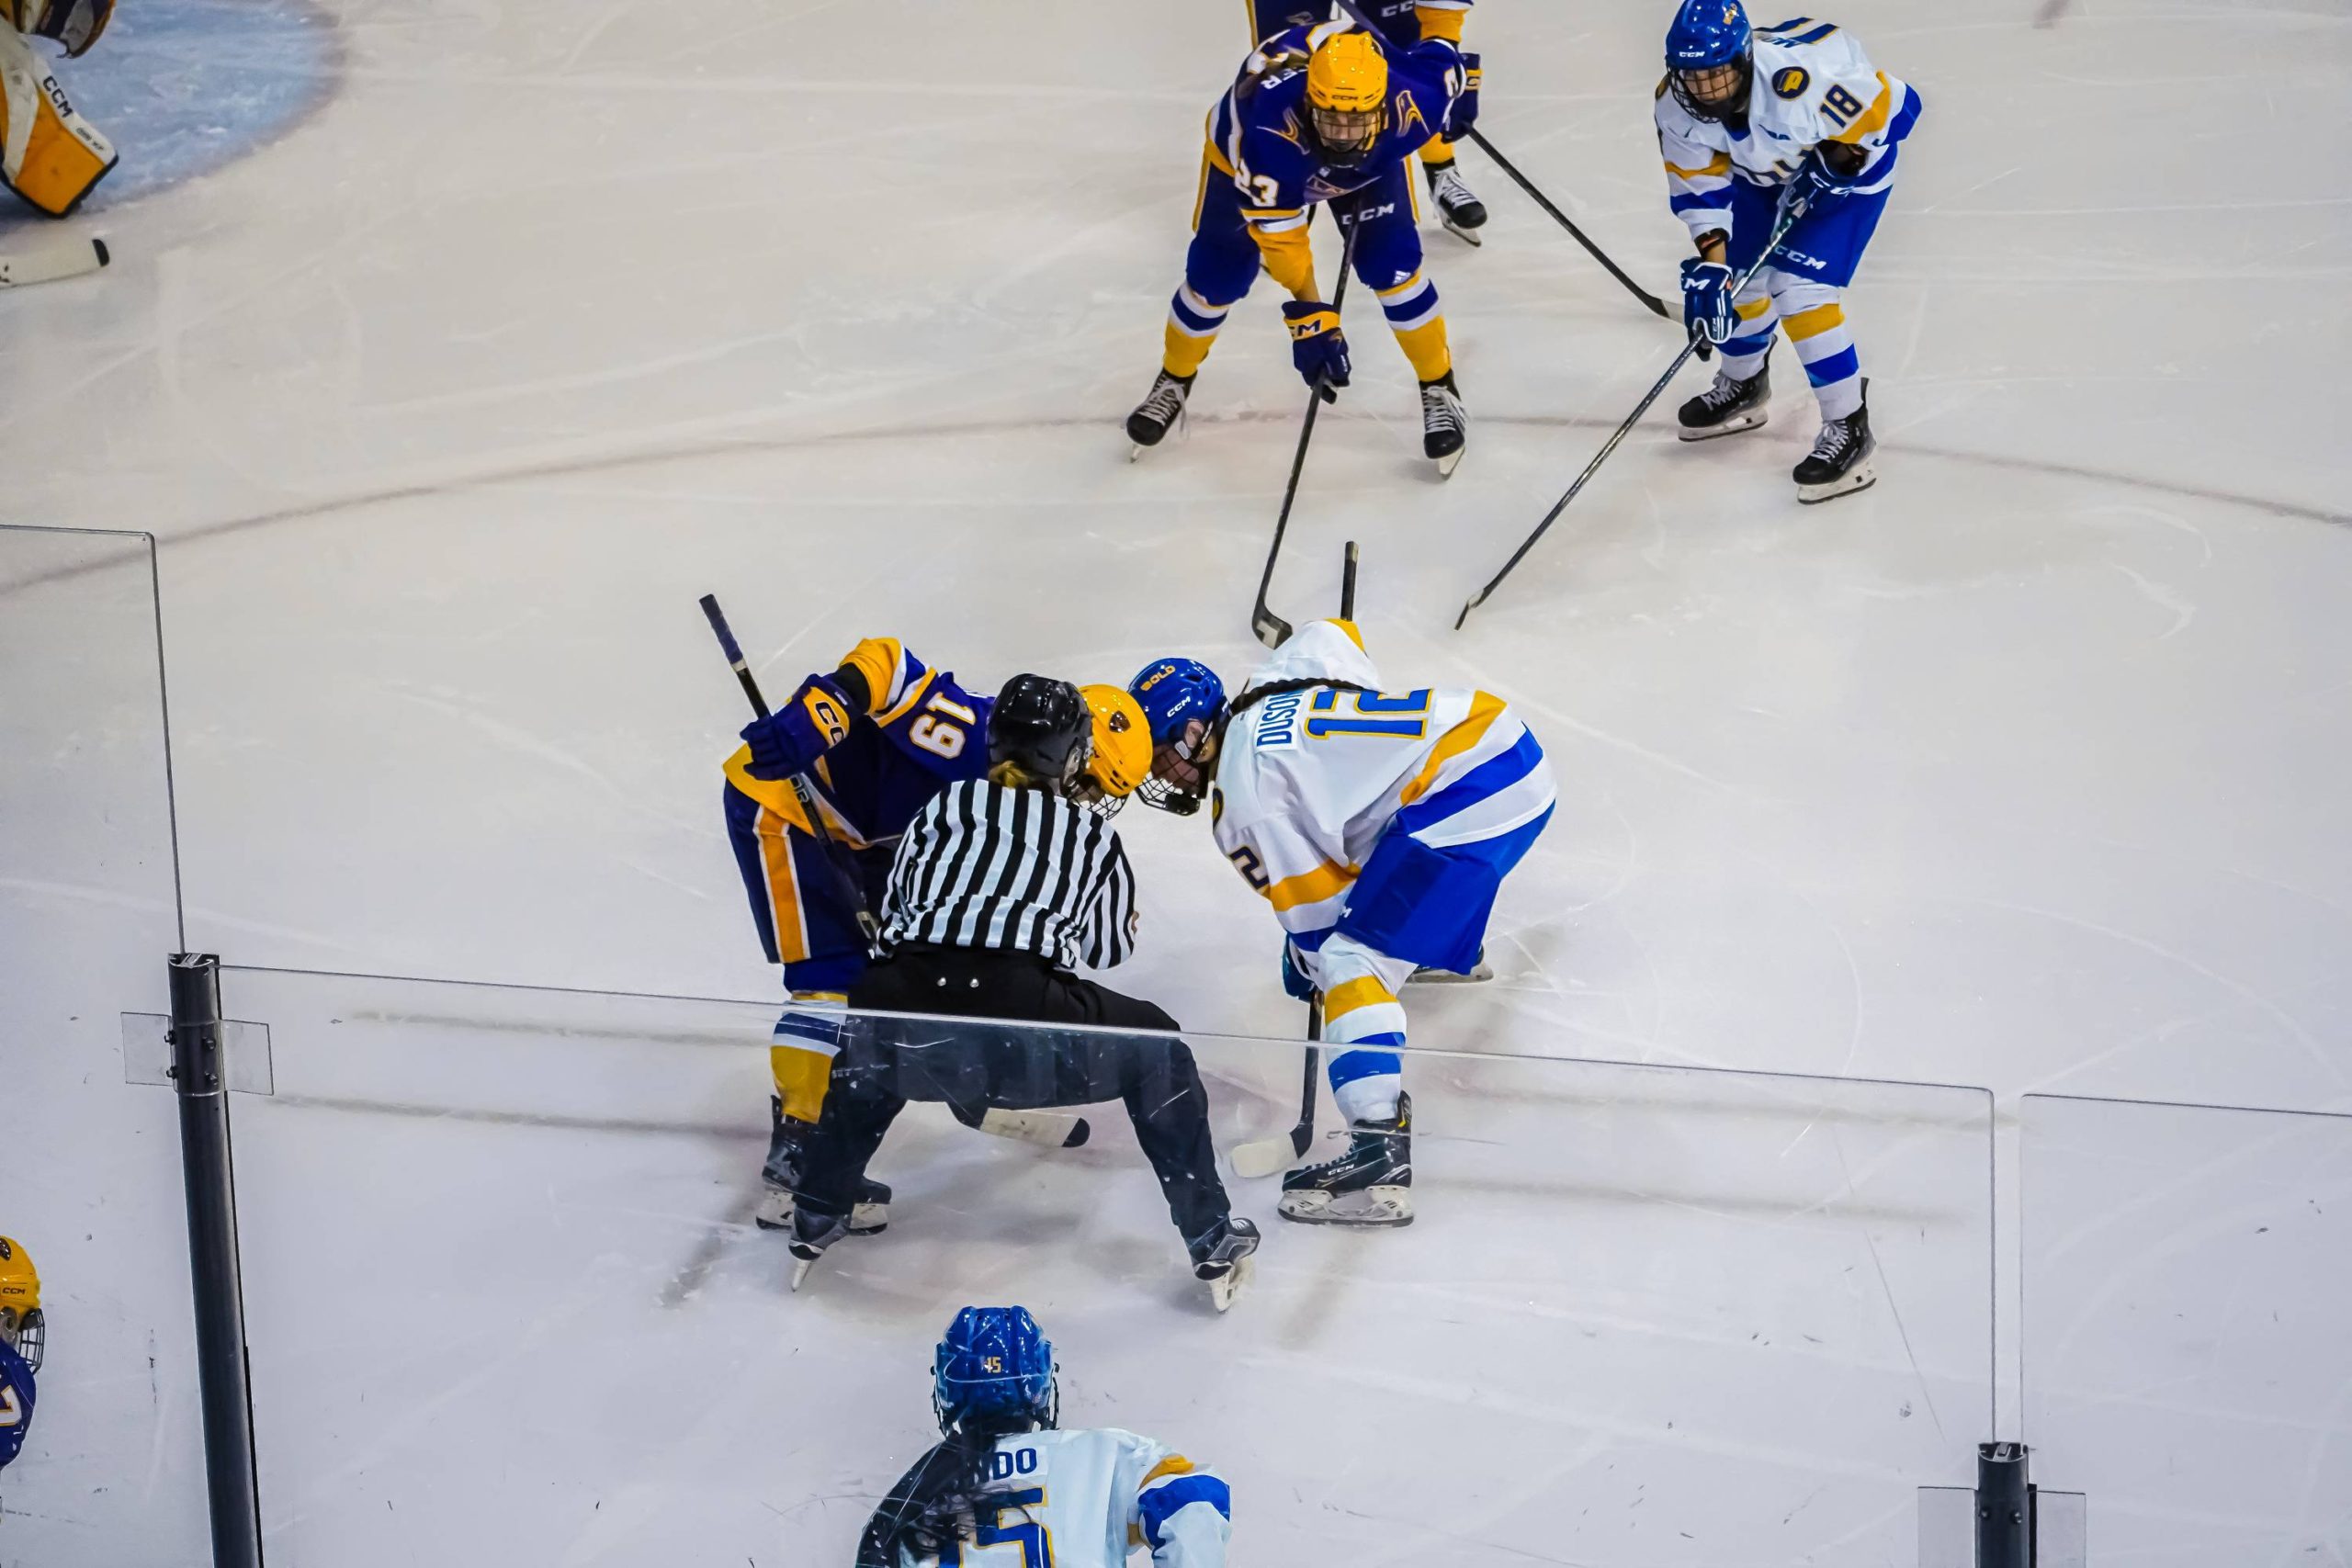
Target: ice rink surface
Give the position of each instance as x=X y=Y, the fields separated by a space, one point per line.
x=2023 y=770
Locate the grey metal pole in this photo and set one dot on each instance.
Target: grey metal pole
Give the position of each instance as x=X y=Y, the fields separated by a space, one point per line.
x=200 y=1077
x=2004 y=1507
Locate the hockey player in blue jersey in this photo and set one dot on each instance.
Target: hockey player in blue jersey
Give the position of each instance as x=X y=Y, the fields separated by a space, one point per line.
x=23 y=1338
x=874 y=741
x=1403 y=24
x=1007 y=1487
x=1321 y=114
x=1750 y=122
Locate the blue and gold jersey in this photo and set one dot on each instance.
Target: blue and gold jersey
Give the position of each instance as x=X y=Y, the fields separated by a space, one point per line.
x=921 y=732
x=16 y=1403
x=1259 y=136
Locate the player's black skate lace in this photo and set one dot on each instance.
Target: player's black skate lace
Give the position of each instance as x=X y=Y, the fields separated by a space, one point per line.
x=1728 y=393
x=1162 y=407
x=1444 y=425
x=1461 y=205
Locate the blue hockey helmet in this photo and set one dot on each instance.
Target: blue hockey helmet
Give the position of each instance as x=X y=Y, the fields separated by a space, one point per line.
x=1707 y=51
x=1173 y=692
x=994 y=1371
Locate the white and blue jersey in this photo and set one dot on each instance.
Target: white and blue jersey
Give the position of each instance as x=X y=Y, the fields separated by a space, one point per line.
x=1087 y=1499
x=1379 y=826
x=16 y=1403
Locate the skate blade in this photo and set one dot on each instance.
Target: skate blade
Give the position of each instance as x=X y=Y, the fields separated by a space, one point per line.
x=800 y=1273
x=1227 y=1285
x=1135 y=454
x=1451 y=461
x=1373 y=1206
x=1730 y=427
x=1484 y=971
x=1467 y=235
x=1861 y=479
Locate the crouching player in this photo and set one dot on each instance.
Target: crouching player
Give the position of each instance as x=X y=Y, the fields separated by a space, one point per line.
x=1002 y=887
x=52 y=156
x=1752 y=124
x=1379 y=826
x=1321 y=114
x=874 y=743
x=1004 y=1473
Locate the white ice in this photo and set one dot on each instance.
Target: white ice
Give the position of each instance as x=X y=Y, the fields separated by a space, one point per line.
x=2021 y=771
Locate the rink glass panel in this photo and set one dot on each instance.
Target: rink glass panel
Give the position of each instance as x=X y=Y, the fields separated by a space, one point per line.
x=2186 y=1361
x=89 y=1164
x=506 y=1303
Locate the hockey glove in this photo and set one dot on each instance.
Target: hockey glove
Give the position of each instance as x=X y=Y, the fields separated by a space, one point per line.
x=1295 y=980
x=1815 y=181
x=1318 y=346
x=1706 y=300
x=1465 y=113
x=790 y=739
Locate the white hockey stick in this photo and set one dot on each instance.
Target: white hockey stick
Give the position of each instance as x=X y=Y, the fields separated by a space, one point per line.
x=48 y=263
x=1043 y=1128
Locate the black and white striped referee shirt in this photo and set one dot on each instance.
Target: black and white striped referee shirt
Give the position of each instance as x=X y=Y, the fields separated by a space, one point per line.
x=1012 y=870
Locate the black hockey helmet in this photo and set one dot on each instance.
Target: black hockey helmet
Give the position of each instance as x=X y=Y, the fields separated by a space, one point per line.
x=1039 y=726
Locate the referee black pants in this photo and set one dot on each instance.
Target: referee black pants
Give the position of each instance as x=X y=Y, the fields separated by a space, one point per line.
x=885 y=1063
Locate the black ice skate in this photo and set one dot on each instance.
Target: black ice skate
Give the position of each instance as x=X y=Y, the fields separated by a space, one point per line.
x=1460 y=210
x=812 y=1235
x=1159 y=412
x=1222 y=1259
x=777 y=1177
x=1840 y=461
x=1371 y=1184
x=1446 y=425
x=1728 y=407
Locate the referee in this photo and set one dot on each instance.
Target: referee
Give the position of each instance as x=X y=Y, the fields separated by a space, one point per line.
x=1001 y=887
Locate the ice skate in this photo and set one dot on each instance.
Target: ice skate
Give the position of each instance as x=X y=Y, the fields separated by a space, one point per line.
x=782 y=1172
x=1222 y=1259
x=1728 y=407
x=813 y=1236
x=1371 y=1184
x=1161 y=408
x=1445 y=426
x=1479 y=970
x=1840 y=461
x=1457 y=206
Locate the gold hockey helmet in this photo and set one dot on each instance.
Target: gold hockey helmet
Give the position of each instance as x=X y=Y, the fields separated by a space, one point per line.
x=21 y=1326
x=1347 y=94
x=1122 y=757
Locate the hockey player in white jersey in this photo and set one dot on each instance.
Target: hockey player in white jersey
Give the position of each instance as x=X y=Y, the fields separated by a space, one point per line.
x=1750 y=121
x=1379 y=826
x=1005 y=1487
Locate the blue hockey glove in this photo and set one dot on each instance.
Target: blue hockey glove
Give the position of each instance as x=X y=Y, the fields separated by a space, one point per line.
x=1706 y=300
x=1295 y=980
x=1318 y=346
x=1814 y=181
x=790 y=739
x=1465 y=113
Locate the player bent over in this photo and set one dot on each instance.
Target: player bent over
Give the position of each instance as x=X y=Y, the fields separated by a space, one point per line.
x=1379 y=826
x=1321 y=114
x=1004 y=1474
x=1403 y=23
x=874 y=742
x=1001 y=887
x=1750 y=123
x=23 y=1334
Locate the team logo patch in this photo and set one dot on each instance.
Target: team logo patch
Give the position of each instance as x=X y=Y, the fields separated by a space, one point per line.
x=1792 y=82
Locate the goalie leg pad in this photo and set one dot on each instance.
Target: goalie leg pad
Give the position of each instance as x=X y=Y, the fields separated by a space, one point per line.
x=49 y=154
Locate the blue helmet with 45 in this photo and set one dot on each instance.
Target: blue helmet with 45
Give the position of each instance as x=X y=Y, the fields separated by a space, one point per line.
x=994 y=1372
x=1707 y=54
x=1184 y=704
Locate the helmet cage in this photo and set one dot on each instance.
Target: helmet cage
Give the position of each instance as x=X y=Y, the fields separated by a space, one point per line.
x=1346 y=136
x=1710 y=92
x=27 y=1335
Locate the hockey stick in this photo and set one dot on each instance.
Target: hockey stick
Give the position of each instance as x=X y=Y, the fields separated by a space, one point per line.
x=1045 y=1130
x=1271 y=629
x=47 y=263
x=1268 y=1155
x=1779 y=231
